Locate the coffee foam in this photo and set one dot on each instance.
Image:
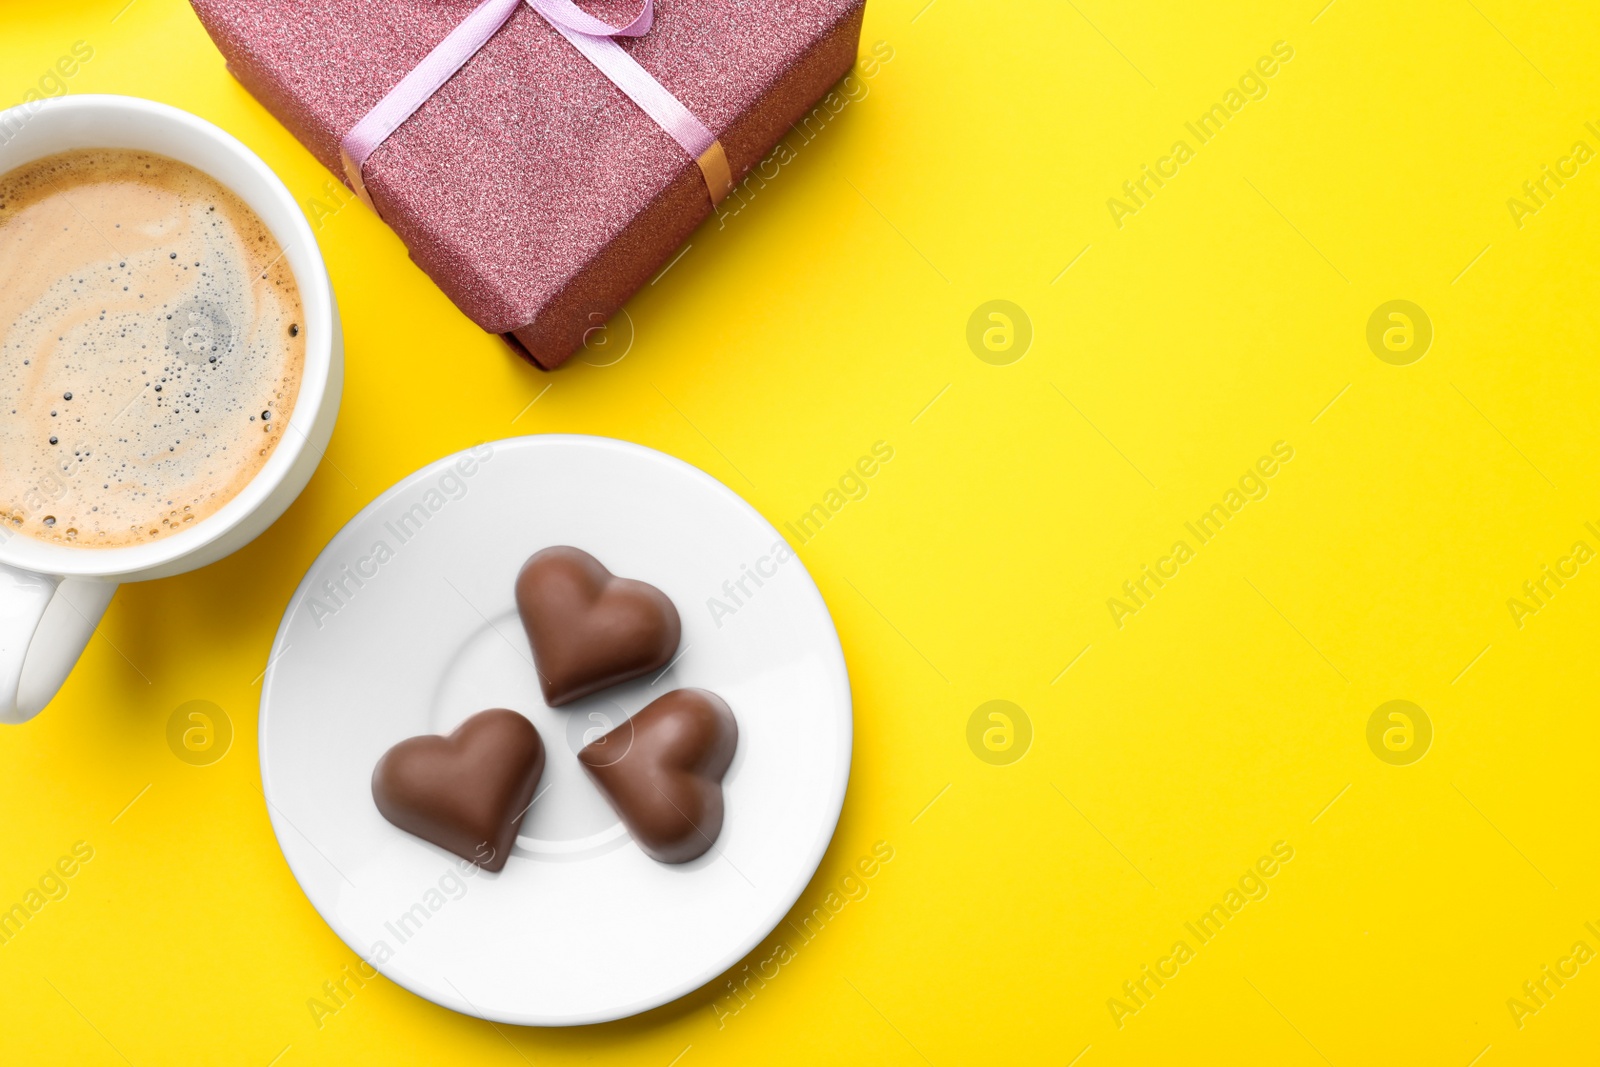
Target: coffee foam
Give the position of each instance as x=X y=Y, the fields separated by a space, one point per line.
x=152 y=343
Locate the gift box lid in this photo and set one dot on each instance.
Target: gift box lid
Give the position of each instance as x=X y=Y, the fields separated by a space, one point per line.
x=528 y=162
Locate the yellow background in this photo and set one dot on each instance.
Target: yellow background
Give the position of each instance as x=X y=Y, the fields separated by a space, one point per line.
x=1230 y=713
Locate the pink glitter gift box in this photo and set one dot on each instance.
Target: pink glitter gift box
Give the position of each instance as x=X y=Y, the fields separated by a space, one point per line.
x=529 y=187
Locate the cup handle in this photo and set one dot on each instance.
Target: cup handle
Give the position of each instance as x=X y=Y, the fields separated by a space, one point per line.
x=45 y=623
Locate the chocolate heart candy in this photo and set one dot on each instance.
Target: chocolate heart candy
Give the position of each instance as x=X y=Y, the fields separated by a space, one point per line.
x=588 y=628
x=662 y=772
x=466 y=792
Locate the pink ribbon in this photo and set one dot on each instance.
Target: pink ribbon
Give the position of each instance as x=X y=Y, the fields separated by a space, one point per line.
x=589 y=35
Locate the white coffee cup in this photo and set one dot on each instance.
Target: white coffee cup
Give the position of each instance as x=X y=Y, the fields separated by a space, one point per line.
x=52 y=596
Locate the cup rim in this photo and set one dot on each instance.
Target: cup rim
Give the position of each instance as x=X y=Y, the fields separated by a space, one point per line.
x=289 y=226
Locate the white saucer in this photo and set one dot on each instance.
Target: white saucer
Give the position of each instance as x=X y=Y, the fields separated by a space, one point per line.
x=406 y=625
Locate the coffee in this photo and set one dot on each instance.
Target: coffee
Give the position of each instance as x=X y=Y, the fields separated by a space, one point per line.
x=151 y=347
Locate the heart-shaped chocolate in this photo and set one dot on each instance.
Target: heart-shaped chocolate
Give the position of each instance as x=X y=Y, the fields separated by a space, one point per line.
x=588 y=628
x=662 y=772
x=465 y=792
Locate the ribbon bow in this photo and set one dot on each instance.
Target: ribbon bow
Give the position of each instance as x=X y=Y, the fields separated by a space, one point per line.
x=589 y=35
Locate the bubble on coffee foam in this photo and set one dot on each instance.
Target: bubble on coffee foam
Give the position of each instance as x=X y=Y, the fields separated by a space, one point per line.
x=167 y=338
